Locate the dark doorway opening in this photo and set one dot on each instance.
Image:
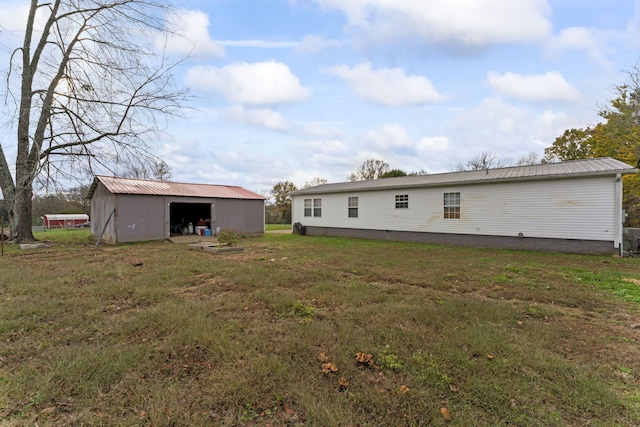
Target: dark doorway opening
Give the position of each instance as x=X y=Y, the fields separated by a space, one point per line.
x=185 y=217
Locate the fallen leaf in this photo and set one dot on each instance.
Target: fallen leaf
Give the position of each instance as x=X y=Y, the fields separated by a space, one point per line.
x=453 y=388
x=329 y=367
x=445 y=413
x=343 y=384
x=322 y=357
x=490 y=356
x=403 y=390
x=364 y=358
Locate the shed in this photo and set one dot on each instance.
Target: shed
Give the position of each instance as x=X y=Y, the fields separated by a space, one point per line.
x=130 y=210
x=64 y=220
x=571 y=206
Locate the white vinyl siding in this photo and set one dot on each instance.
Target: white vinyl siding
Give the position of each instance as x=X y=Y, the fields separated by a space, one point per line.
x=565 y=209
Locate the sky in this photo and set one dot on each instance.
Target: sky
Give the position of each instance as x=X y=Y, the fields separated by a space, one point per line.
x=292 y=90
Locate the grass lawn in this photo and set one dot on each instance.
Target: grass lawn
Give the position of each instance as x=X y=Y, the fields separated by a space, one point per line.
x=274 y=227
x=317 y=331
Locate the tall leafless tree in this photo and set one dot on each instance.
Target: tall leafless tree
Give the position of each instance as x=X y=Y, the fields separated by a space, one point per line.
x=370 y=169
x=88 y=85
x=484 y=160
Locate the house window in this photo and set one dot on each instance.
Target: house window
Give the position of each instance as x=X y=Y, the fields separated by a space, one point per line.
x=307 y=207
x=353 y=207
x=317 y=207
x=402 y=201
x=451 y=205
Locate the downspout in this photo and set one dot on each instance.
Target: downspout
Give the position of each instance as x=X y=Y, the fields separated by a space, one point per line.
x=618 y=216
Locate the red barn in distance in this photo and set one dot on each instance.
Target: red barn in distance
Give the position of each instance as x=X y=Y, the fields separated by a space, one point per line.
x=64 y=220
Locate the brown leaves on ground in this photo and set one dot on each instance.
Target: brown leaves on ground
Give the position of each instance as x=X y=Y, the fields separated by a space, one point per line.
x=365 y=359
x=329 y=367
x=445 y=413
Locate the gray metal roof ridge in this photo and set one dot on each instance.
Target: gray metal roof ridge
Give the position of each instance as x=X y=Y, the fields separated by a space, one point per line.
x=558 y=170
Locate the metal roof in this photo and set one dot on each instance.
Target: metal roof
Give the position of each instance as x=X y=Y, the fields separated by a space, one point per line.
x=117 y=185
x=571 y=169
x=63 y=217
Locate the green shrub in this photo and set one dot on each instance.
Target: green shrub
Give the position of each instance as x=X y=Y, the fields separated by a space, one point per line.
x=228 y=237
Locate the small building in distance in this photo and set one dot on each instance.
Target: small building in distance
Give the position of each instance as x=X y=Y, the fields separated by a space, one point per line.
x=568 y=207
x=131 y=210
x=64 y=220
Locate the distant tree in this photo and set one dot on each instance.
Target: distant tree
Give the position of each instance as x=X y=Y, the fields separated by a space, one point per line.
x=393 y=173
x=618 y=136
x=161 y=170
x=370 y=169
x=484 y=160
x=421 y=172
x=71 y=201
x=528 y=160
x=314 y=182
x=281 y=194
x=573 y=144
x=156 y=169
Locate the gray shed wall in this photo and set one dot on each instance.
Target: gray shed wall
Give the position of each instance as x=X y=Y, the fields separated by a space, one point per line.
x=245 y=216
x=140 y=218
x=102 y=204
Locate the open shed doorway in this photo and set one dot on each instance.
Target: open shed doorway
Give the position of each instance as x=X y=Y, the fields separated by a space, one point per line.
x=184 y=218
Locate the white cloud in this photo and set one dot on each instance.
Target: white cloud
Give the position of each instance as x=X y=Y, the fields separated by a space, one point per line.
x=387 y=86
x=579 y=39
x=494 y=126
x=260 y=83
x=462 y=23
x=323 y=157
x=533 y=87
x=260 y=44
x=315 y=44
x=192 y=34
x=13 y=17
x=389 y=137
x=260 y=117
x=633 y=27
x=429 y=144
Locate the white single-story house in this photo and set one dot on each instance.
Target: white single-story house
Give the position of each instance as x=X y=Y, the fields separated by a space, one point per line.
x=571 y=206
x=132 y=210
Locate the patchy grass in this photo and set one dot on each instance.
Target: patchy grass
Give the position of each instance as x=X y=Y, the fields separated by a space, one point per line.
x=156 y=334
x=274 y=227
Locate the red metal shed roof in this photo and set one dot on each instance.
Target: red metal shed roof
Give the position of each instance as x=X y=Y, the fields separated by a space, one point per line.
x=117 y=185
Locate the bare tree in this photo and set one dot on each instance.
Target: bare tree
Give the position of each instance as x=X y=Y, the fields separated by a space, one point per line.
x=370 y=169
x=528 y=160
x=88 y=87
x=484 y=160
x=314 y=182
x=156 y=169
